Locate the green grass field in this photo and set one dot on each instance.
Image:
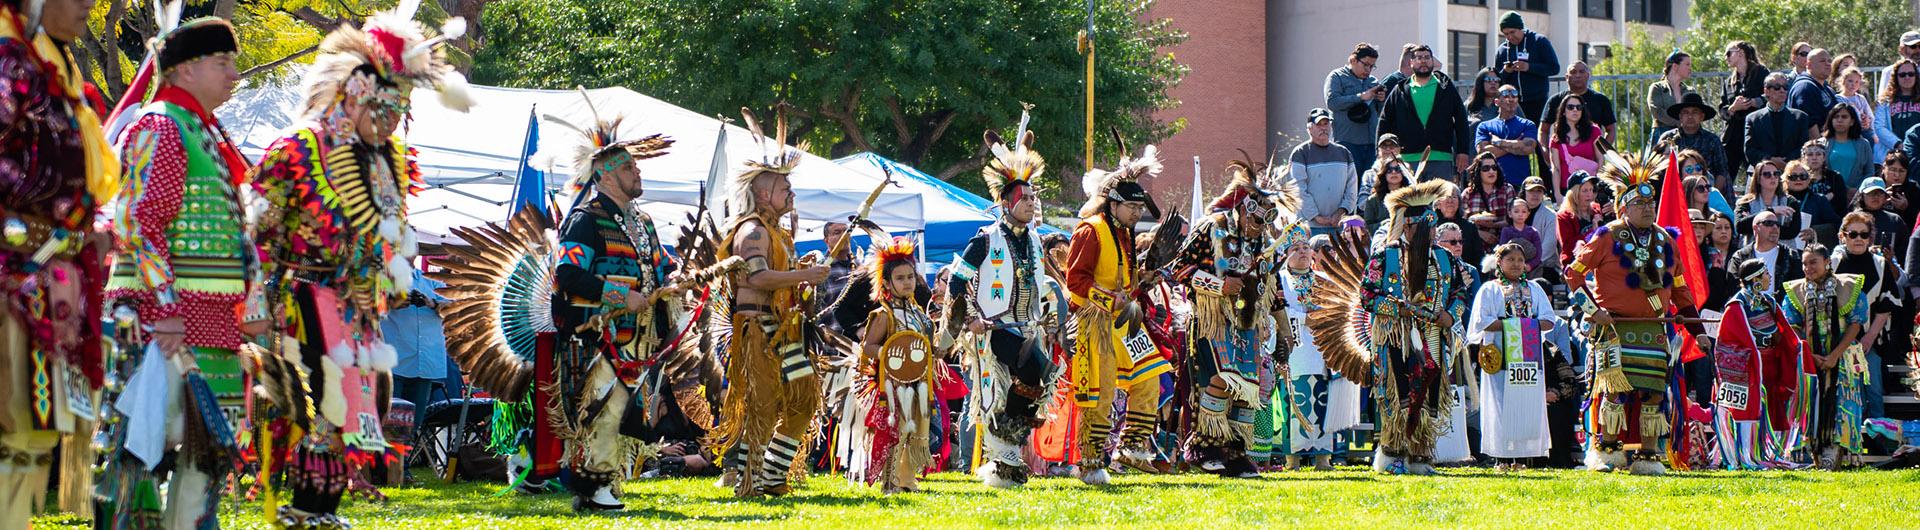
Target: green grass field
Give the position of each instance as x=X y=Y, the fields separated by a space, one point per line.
x=1350 y=497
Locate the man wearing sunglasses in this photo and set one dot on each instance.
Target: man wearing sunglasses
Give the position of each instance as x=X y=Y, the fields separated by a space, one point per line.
x=1510 y=137
x=1777 y=131
x=1783 y=264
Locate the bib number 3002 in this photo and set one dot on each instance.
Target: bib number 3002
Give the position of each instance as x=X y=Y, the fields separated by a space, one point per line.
x=1523 y=374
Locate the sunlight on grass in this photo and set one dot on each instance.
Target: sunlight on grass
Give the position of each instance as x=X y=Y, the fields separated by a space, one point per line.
x=1349 y=497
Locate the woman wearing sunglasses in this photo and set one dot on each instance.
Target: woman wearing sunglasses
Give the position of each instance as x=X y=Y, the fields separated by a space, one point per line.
x=1817 y=220
x=1572 y=143
x=1898 y=107
x=1878 y=281
x=1764 y=193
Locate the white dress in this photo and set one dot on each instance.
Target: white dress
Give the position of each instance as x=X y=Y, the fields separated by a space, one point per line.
x=1513 y=401
x=1326 y=400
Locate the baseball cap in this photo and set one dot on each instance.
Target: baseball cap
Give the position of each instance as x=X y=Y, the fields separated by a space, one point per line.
x=1317 y=114
x=1873 y=184
x=1910 y=38
x=1533 y=182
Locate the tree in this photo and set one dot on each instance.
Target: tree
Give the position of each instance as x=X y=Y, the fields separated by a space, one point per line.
x=1866 y=28
x=273 y=33
x=914 y=80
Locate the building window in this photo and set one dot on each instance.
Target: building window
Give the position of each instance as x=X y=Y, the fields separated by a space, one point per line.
x=1597 y=9
x=1650 y=11
x=1469 y=2
x=1469 y=54
x=1524 y=5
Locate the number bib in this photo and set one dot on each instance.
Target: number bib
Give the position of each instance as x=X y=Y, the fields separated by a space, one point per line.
x=1732 y=396
x=1139 y=346
x=1523 y=373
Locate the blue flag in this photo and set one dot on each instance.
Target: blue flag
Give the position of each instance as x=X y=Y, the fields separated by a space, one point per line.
x=530 y=186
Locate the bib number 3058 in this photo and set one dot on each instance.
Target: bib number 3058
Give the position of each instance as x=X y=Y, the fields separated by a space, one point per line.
x=1732 y=396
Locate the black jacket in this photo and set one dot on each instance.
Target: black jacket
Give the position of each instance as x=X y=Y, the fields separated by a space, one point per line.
x=1776 y=133
x=1446 y=127
x=1786 y=265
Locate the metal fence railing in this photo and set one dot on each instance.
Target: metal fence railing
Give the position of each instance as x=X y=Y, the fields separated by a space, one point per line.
x=1629 y=94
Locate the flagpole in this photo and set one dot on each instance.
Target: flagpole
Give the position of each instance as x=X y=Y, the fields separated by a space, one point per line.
x=1194 y=211
x=1086 y=47
x=529 y=144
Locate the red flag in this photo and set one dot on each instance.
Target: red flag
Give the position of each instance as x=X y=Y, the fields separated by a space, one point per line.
x=1693 y=271
x=1673 y=214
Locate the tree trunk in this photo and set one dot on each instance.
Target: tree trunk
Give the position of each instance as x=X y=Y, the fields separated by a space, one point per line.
x=964 y=166
x=102 y=50
x=846 y=112
x=270 y=65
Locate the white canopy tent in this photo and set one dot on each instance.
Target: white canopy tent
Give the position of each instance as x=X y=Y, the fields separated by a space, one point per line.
x=471 y=160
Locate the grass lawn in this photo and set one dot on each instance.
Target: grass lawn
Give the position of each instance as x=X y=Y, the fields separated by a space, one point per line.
x=1351 y=497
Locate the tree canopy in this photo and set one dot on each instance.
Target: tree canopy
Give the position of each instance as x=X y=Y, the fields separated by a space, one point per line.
x=913 y=80
x=1869 y=29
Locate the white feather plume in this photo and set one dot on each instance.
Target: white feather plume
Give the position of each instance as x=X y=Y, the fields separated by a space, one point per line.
x=1092 y=182
x=167 y=15
x=454 y=28
x=406 y=9
x=1148 y=165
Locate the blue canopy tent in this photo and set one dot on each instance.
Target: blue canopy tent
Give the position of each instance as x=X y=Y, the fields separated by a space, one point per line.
x=952 y=215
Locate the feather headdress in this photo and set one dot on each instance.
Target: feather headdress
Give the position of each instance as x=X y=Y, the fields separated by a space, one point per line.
x=775 y=157
x=1414 y=204
x=1245 y=196
x=391 y=50
x=601 y=150
x=1122 y=183
x=1017 y=165
x=1631 y=175
x=886 y=254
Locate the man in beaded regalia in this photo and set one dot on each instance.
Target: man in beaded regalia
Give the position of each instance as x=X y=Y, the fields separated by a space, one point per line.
x=1227 y=263
x=337 y=255
x=182 y=279
x=1112 y=352
x=1623 y=282
x=996 y=295
x=1388 y=320
x=611 y=305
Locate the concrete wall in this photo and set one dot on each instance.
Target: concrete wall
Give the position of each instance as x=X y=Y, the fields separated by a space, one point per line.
x=1224 y=96
x=1316 y=36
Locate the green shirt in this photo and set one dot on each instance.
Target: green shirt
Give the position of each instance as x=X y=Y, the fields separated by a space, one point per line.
x=1423 y=107
x=1423 y=97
